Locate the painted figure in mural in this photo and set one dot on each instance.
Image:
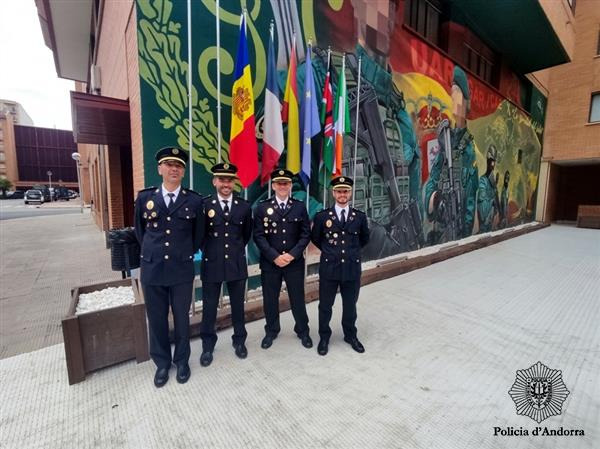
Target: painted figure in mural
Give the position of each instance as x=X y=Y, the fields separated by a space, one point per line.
x=169 y=228
x=504 y=201
x=228 y=228
x=488 y=204
x=451 y=190
x=340 y=232
x=281 y=233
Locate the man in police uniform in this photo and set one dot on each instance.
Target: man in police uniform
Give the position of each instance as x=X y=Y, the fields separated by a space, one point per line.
x=339 y=232
x=282 y=232
x=168 y=226
x=228 y=228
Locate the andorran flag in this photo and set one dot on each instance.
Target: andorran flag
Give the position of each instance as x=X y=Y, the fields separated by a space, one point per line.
x=243 y=149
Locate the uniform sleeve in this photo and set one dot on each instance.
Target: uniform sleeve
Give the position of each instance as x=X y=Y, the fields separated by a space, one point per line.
x=364 y=231
x=199 y=226
x=260 y=238
x=137 y=220
x=315 y=235
x=304 y=239
x=247 y=227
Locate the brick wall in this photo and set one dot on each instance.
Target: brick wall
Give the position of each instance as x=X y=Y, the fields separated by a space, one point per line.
x=568 y=135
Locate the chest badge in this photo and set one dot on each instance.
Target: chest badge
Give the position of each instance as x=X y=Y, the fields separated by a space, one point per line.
x=150 y=205
x=328 y=223
x=211 y=213
x=270 y=211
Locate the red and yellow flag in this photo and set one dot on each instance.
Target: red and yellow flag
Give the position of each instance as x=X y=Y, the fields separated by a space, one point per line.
x=290 y=115
x=243 y=149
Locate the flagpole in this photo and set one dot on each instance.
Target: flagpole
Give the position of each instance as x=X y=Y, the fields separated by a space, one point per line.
x=325 y=165
x=218 y=20
x=356 y=129
x=190 y=146
x=271 y=28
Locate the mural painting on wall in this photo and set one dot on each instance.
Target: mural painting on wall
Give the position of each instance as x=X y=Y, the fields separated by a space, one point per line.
x=440 y=155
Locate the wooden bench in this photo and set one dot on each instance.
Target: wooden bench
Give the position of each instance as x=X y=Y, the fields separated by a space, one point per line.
x=588 y=216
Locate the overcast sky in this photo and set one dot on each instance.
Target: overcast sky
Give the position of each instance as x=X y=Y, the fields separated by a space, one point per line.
x=27 y=72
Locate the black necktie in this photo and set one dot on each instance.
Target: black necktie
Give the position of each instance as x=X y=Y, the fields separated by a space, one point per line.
x=343 y=219
x=171 y=200
x=282 y=206
x=226 y=207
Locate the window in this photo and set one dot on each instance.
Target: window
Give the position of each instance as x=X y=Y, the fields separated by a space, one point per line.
x=479 y=64
x=595 y=108
x=423 y=16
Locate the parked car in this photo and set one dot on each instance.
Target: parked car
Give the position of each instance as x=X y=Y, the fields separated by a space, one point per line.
x=16 y=195
x=34 y=196
x=73 y=194
x=61 y=194
x=44 y=190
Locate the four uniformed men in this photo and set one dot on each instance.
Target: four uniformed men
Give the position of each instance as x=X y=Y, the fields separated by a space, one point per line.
x=173 y=223
x=168 y=226
x=281 y=233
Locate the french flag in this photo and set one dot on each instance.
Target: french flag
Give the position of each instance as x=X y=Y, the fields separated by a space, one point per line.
x=272 y=125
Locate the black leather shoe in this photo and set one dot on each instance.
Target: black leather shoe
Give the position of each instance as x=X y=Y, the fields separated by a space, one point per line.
x=241 y=351
x=307 y=341
x=183 y=373
x=323 y=347
x=356 y=345
x=267 y=342
x=161 y=377
x=206 y=358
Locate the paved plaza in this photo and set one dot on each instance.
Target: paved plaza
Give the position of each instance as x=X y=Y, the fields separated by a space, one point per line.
x=443 y=345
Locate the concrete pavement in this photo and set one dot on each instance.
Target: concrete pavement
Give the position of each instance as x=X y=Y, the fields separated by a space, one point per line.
x=42 y=259
x=443 y=345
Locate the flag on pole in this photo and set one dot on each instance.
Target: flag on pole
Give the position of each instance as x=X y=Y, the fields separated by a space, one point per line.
x=342 y=119
x=243 y=149
x=310 y=118
x=327 y=121
x=290 y=115
x=272 y=126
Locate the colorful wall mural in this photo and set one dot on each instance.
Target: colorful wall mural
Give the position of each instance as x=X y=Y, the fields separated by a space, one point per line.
x=441 y=155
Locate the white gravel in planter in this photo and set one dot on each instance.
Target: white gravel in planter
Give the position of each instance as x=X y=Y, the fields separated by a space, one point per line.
x=104 y=299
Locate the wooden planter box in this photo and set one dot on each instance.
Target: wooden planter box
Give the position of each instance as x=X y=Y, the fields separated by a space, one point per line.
x=99 y=339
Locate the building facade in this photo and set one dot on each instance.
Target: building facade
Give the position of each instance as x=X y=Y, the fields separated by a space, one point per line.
x=570 y=170
x=430 y=70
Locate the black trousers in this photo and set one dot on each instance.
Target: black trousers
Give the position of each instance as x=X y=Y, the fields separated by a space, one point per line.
x=271 y=286
x=158 y=298
x=327 y=291
x=210 y=299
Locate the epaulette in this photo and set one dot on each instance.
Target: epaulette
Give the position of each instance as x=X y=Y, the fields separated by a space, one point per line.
x=147 y=189
x=239 y=199
x=193 y=192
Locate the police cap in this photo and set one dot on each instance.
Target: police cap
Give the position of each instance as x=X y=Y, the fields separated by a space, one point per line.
x=225 y=170
x=341 y=182
x=281 y=174
x=172 y=154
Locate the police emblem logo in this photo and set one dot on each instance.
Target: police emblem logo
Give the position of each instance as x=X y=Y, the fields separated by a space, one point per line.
x=342 y=179
x=539 y=392
x=153 y=214
x=328 y=223
x=211 y=213
x=150 y=205
x=270 y=211
x=175 y=151
x=226 y=166
x=281 y=172
x=241 y=102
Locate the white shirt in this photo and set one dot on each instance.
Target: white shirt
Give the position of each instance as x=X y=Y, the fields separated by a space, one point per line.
x=279 y=201
x=338 y=211
x=165 y=194
x=229 y=201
